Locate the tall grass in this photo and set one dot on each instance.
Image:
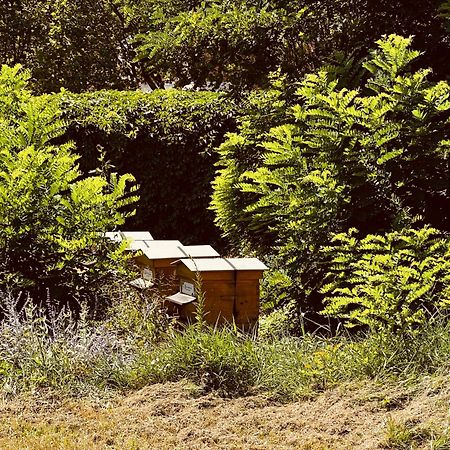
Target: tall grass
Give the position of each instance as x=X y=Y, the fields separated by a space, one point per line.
x=137 y=345
x=46 y=348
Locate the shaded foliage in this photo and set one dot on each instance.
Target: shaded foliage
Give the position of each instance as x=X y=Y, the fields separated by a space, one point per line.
x=235 y=44
x=165 y=138
x=76 y=44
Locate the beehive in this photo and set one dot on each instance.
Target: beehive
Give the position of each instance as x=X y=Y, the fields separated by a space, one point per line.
x=159 y=255
x=230 y=288
x=136 y=240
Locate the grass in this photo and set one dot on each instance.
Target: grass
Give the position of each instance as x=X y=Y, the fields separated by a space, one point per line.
x=137 y=345
x=407 y=435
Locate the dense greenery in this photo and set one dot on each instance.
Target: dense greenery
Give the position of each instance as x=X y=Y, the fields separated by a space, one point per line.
x=166 y=139
x=52 y=216
x=76 y=44
x=337 y=173
x=373 y=158
x=393 y=281
x=235 y=44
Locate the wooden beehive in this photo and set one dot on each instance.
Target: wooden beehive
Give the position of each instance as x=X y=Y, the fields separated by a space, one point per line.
x=249 y=272
x=230 y=288
x=158 y=256
x=135 y=241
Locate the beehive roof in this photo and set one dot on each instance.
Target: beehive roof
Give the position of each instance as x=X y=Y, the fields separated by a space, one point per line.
x=222 y=264
x=137 y=235
x=163 y=250
x=176 y=250
x=247 y=264
x=195 y=251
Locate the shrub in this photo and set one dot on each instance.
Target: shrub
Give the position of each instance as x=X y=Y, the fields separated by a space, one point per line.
x=392 y=282
x=374 y=158
x=52 y=216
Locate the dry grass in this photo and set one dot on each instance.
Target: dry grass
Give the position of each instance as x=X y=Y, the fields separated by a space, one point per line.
x=176 y=416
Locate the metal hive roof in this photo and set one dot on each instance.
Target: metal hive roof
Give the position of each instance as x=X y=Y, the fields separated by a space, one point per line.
x=196 y=251
x=222 y=264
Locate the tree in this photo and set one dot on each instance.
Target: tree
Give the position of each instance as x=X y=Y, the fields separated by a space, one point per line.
x=236 y=44
x=373 y=158
x=76 y=44
x=52 y=217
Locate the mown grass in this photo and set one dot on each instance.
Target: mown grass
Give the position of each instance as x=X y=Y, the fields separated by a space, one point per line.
x=137 y=346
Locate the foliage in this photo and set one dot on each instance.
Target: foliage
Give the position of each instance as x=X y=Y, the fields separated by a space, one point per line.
x=129 y=349
x=372 y=158
x=403 y=435
x=445 y=13
x=235 y=44
x=88 y=44
x=51 y=216
x=165 y=138
x=389 y=282
x=76 y=44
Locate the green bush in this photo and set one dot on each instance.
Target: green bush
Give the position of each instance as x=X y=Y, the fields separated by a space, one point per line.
x=52 y=216
x=166 y=139
x=392 y=282
x=373 y=158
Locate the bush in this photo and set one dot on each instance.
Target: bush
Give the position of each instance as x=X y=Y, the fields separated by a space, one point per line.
x=52 y=216
x=373 y=158
x=392 y=282
x=166 y=139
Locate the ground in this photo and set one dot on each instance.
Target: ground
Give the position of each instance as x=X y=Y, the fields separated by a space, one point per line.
x=178 y=416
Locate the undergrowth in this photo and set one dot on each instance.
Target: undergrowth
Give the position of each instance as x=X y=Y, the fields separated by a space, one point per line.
x=137 y=345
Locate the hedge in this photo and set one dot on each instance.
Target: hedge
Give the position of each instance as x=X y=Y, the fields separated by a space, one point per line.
x=166 y=139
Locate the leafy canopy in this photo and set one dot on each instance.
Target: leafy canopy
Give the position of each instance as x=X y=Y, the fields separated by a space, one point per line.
x=75 y=44
x=236 y=44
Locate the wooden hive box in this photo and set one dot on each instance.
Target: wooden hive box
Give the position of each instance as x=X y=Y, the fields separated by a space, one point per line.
x=136 y=240
x=157 y=257
x=249 y=272
x=230 y=288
